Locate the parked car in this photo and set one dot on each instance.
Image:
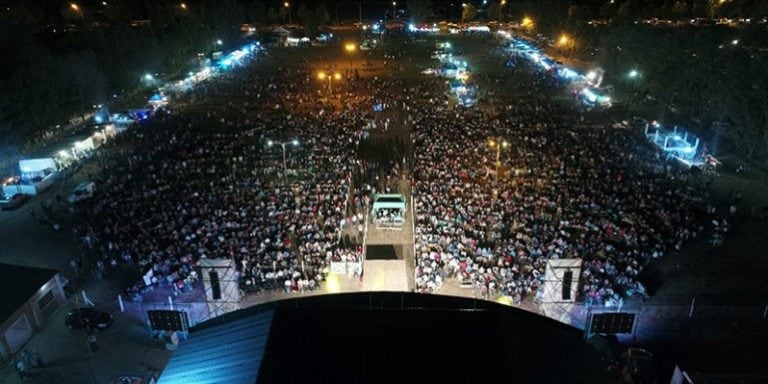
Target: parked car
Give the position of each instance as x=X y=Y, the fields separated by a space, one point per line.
x=84 y=190
x=85 y=317
x=14 y=202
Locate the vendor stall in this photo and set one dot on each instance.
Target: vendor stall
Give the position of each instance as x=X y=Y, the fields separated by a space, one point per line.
x=35 y=176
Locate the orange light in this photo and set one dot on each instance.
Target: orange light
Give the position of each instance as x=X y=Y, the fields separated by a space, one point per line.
x=337 y=76
x=350 y=47
x=183 y=6
x=74 y=6
x=527 y=22
x=321 y=75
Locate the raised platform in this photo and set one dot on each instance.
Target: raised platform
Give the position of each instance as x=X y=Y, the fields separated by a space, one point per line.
x=385 y=275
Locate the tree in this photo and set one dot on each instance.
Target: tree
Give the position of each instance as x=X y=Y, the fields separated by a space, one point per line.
x=701 y=8
x=494 y=11
x=578 y=14
x=680 y=9
x=628 y=10
x=308 y=21
x=321 y=12
x=256 y=12
x=607 y=11
x=225 y=18
x=469 y=12
x=420 y=9
x=273 y=16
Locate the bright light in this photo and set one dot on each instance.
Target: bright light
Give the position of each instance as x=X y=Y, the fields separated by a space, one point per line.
x=591 y=75
x=504 y=144
x=149 y=77
x=350 y=47
x=633 y=73
x=337 y=76
x=735 y=42
x=219 y=42
x=270 y=143
x=332 y=283
x=183 y=6
x=394 y=3
x=321 y=75
x=527 y=22
x=74 y=7
x=286 y=4
x=563 y=40
x=464 y=5
x=503 y=2
x=295 y=143
x=491 y=143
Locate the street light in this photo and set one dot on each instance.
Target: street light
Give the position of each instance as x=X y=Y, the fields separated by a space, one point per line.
x=293 y=142
x=219 y=42
x=149 y=77
x=183 y=6
x=498 y=143
x=633 y=74
x=74 y=7
x=288 y=6
x=563 y=40
x=335 y=76
x=350 y=48
x=501 y=8
x=394 y=10
x=527 y=22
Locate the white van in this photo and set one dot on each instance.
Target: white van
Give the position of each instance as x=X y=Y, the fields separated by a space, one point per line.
x=83 y=191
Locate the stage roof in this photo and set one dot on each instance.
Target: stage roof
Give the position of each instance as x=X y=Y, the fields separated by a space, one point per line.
x=229 y=353
x=384 y=338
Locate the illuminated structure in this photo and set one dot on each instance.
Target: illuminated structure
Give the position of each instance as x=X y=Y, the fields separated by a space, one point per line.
x=677 y=143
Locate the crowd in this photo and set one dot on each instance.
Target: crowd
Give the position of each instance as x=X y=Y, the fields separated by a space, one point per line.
x=566 y=189
x=204 y=184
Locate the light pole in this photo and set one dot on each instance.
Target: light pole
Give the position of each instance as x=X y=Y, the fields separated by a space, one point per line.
x=350 y=48
x=501 y=8
x=394 y=10
x=463 y=8
x=498 y=143
x=287 y=5
x=330 y=77
x=293 y=142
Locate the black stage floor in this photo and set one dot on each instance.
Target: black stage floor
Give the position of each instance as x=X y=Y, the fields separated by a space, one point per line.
x=384 y=346
x=380 y=252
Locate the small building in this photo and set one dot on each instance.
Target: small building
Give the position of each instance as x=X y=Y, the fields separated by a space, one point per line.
x=28 y=297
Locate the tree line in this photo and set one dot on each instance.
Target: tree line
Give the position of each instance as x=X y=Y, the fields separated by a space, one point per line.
x=62 y=57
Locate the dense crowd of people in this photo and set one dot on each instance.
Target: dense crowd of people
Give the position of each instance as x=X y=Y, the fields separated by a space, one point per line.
x=566 y=188
x=204 y=183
